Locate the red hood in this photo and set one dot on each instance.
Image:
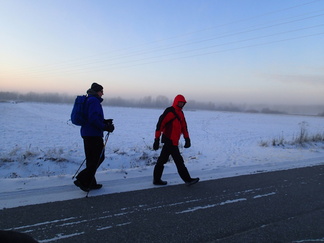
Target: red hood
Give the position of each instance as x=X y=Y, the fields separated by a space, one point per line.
x=177 y=99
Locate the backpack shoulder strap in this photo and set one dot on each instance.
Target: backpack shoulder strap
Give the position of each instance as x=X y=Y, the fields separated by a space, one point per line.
x=174 y=112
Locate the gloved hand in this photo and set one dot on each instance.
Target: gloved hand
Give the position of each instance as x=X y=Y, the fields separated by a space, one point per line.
x=156 y=144
x=109 y=126
x=108 y=121
x=187 y=143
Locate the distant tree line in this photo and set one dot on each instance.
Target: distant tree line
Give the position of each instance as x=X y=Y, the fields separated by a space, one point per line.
x=145 y=102
x=35 y=97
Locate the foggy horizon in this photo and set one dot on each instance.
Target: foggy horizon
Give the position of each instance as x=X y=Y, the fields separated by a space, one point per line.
x=162 y=101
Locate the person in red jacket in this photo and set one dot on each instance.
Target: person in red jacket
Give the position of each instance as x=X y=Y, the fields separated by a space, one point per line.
x=171 y=125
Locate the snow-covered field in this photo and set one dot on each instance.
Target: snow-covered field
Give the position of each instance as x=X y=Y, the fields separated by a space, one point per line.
x=40 y=150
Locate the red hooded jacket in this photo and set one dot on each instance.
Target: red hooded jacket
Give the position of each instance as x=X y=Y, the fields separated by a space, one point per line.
x=172 y=123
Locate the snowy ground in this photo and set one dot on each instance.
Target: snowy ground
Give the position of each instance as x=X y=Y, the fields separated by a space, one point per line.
x=40 y=150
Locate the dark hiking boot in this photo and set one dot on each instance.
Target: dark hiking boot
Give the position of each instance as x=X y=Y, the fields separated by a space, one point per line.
x=160 y=182
x=192 y=181
x=95 y=186
x=81 y=186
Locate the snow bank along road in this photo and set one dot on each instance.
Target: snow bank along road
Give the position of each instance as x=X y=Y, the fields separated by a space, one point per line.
x=281 y=206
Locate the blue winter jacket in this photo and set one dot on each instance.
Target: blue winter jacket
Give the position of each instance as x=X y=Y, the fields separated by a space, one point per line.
x=94 y=126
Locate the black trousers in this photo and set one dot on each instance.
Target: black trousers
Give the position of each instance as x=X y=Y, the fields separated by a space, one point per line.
x=167 y=150
x=95 y=155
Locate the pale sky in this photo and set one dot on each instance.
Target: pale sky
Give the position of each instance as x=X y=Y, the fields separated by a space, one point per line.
x=240 y=51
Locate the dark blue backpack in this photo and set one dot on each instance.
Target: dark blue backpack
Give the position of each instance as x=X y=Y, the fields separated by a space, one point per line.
x=78 y=114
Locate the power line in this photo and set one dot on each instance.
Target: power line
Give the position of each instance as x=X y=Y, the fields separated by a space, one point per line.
x=140 y=58
x=78 y=65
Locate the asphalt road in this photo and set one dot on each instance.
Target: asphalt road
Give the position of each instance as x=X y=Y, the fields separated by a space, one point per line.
x=282 y=206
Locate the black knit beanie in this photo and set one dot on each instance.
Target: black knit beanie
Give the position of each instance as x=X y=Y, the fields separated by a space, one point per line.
x=96 y=87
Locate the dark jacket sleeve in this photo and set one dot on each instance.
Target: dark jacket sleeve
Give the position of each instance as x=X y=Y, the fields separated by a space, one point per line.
x=95 y=114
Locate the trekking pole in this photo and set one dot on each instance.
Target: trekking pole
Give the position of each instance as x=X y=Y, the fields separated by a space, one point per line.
x=101 y=154
x=78 y=169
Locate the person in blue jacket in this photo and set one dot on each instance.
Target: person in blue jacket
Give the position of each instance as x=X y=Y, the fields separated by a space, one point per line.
x=92 y=134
